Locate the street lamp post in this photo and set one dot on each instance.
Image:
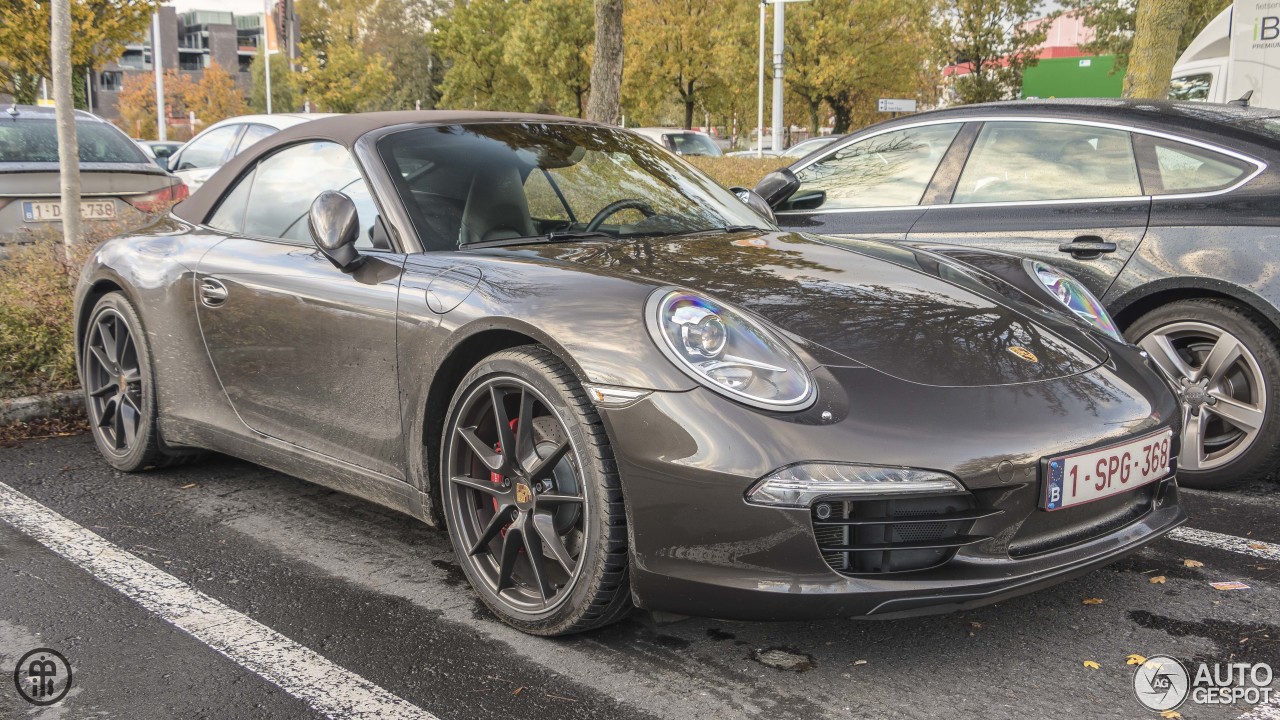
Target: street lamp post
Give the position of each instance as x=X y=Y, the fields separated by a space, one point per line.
x=266 y=51
x=162 y=129
x=778 y=47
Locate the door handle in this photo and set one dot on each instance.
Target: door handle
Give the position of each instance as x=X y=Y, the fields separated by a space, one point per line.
x=1087 y=246
x=212 y=292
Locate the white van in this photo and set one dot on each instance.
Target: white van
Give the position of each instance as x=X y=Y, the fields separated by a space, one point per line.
x=1238 y=52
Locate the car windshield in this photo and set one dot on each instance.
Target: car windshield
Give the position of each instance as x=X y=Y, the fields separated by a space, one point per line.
x=35 y=140
x=486 y=183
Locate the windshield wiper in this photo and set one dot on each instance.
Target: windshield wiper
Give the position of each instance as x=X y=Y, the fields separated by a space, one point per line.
x=558 y=235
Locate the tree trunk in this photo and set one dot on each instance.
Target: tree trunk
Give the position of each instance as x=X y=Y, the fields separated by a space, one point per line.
x=1155 y=48
x=65 y=109
x=688 y=106
x=814 y=107
x=605 y=103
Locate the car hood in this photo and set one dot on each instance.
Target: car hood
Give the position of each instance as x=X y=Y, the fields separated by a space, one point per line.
x=913 y=315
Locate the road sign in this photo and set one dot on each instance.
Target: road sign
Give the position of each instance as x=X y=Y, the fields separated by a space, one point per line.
x=889 y=105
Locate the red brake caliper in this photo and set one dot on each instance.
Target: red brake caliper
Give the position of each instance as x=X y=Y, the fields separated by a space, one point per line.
x=496 y=478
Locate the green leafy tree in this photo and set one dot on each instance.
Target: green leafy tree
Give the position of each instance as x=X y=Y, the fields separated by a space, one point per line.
x=472 y=41
x=552 y=39
x=400 y=31
x=994 y=39
x=282 y=85
x=344 y=79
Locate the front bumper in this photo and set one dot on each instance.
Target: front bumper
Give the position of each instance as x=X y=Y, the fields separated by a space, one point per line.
x=699 y=549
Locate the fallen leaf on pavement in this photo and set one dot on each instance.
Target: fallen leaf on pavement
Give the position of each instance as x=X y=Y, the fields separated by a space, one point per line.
x=1192 y=563
x=518 y=690
x=1157 y=580
x=1229 y=585
x=188 y=486
x=1170 y=714
x=1135 y=659
x=1092 y=601
x=975 y=625
x=1258 y=546
x=1091 y=665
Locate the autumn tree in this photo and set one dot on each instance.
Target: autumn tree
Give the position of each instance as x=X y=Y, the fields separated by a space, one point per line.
x=553 y=39
x=214 y=97
x=400 y=31
x=344 y=79
x=670 y=48
x=883 y=52
x=994 y=40
x=472 y=41
x=99 y=31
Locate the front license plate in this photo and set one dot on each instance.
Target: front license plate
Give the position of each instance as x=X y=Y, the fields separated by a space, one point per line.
x=52 y=211
x=1088 y=476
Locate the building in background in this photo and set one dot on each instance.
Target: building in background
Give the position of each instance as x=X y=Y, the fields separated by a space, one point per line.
x=190 y=42
x=1062 y=69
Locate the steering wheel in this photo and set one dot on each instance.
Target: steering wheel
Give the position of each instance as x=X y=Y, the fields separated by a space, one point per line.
x=616 y=207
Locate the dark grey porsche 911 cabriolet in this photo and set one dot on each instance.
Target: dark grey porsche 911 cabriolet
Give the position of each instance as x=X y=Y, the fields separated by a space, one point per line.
x=616 y=384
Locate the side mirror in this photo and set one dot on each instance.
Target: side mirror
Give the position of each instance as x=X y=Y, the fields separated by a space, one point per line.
x=777 y=186
x=335 y=227
x=753 y=200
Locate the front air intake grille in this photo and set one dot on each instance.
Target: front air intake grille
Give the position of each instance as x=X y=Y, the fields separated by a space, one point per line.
x=871 y=537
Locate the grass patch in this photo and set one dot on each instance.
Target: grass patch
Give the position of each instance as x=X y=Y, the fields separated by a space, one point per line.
x=736 y=171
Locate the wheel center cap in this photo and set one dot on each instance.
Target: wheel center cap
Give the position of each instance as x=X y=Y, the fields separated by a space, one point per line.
x=524 y=496
x=1195 y=396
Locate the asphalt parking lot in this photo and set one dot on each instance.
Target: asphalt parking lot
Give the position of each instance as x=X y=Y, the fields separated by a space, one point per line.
x=327 y=606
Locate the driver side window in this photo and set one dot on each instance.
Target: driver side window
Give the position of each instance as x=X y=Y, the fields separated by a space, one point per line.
x=274 y=199
x=888 y=170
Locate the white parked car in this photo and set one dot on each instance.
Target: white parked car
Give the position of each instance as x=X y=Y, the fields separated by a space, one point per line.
x=201 y=157
x=681 y=141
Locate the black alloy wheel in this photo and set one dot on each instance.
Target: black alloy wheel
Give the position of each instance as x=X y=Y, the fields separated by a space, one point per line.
x=532 y=507
x=119 y=394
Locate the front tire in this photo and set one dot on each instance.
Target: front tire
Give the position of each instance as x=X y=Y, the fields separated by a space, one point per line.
x=1225 y=367
x=531 y=496
x=118 y=385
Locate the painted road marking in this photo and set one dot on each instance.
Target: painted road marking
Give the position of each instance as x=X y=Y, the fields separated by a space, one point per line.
x=327 y=688
x=1244 y=546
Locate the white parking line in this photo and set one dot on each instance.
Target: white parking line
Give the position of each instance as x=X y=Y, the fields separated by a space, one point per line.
x=1244 y=546
x=1266 y=711
x=329 y=689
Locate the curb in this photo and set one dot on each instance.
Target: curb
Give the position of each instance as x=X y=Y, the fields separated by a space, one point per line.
x=36 y=407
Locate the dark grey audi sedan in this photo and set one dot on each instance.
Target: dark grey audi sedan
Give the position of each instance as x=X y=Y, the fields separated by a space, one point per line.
x=1168 y=212
x=616 y=385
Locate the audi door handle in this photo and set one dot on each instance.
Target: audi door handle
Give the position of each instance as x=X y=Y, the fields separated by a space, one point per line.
x=212 y=292
x=1087 y=244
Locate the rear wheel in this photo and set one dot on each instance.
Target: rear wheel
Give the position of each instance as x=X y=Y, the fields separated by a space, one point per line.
x=119 y=394
x=532 y=498
x=1225 y=368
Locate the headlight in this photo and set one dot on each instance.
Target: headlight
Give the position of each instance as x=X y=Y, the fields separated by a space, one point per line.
x=1077 y=298
x=800 y=485
x=727 y=351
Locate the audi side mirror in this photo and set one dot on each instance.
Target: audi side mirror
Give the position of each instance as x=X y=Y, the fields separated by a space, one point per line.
x=335 y=227
x=777 y=186
x=753 y=200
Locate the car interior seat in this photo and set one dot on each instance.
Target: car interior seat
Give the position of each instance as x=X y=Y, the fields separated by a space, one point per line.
x=496 y=207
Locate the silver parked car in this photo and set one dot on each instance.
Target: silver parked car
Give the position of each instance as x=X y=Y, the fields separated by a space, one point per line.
x=118 y=181
x=680 y=141
x=196 y=161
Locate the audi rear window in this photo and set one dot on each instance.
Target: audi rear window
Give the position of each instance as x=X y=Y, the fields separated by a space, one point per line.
x=35 y=140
